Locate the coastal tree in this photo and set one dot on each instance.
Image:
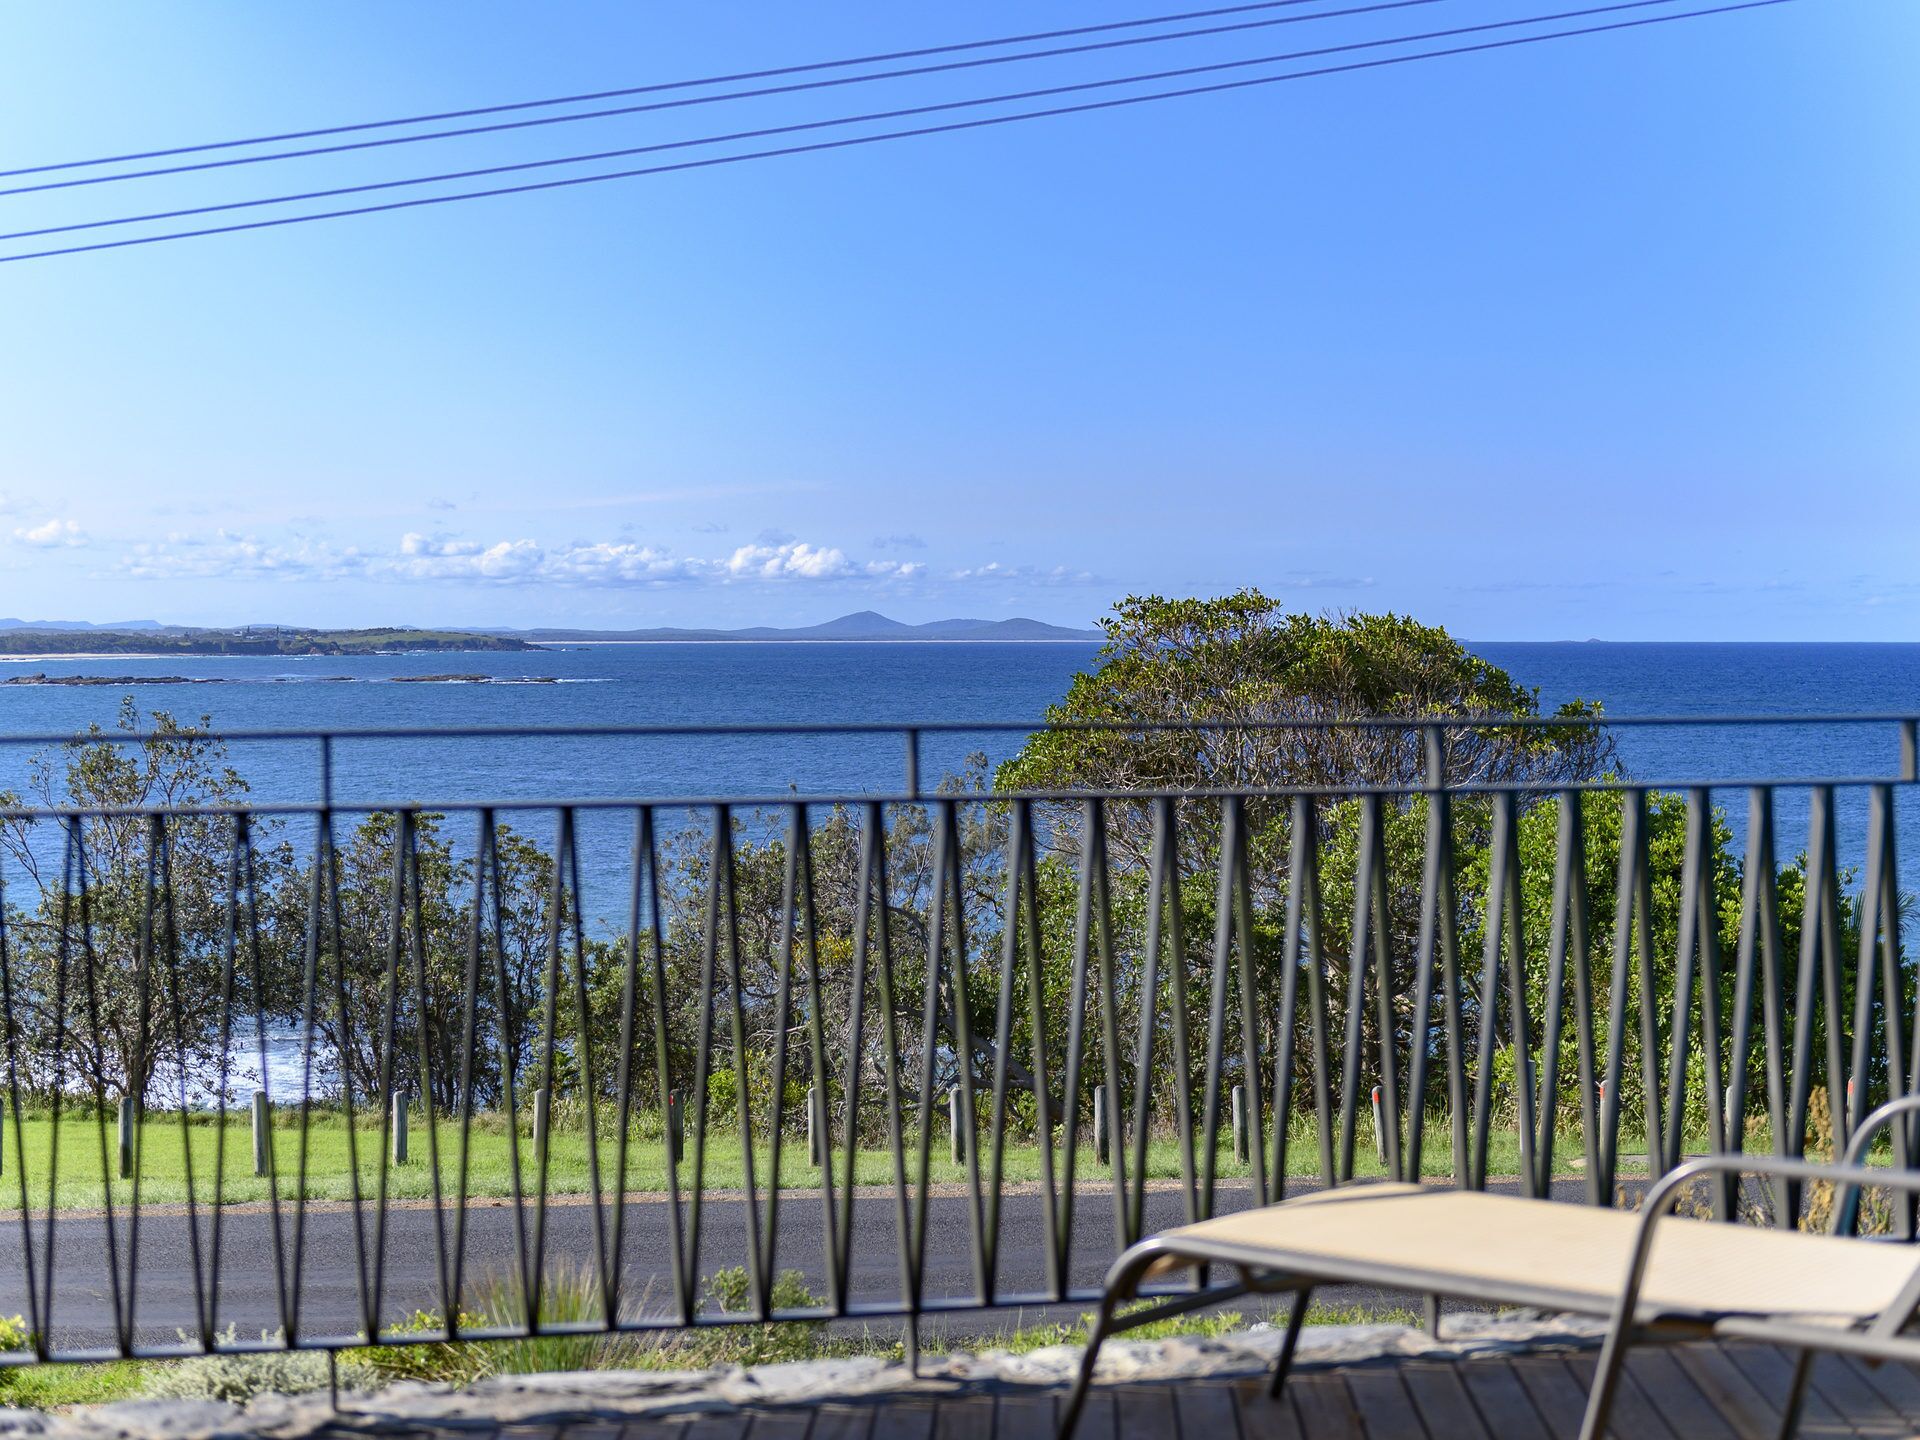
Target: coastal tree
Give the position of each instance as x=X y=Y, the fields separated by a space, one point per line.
x=120 y=917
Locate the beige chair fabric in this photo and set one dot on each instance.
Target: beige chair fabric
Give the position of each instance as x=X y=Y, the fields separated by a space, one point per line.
x=1449 y=1240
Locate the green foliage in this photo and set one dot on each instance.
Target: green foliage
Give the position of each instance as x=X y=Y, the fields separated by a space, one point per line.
x=237 y=1379
x=1244 y=658
x=152 y=1011
x=454 y=1362
x=731 y=1291
x=51 y=1387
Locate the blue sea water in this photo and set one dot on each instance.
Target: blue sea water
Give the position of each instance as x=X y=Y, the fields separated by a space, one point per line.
x=671 y=684
x=831 y=683
x=695 y=684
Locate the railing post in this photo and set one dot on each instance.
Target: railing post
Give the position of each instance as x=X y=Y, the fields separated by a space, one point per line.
x=1239 y=1096
x=676 y=1125
x=1436 y=747
x=913 y=762
x=1910 y=749
x=815 y=1125
x=397 y=1106
x=1379 y=1128
x=540 y=1112
x=1101 y=1150
x=956 y=1125
x=262 y=1133
x=126 y=1137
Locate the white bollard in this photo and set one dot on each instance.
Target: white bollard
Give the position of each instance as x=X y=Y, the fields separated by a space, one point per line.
x=262 y=1133
x=1379 y=1127
x=126 y=1137
x=1101 y=1150
x=816 y=1125
x=397 y=1107
x=1239 y=1097
x=539 y=1119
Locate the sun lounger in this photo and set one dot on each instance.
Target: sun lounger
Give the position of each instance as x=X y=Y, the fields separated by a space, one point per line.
x=1652 y=1275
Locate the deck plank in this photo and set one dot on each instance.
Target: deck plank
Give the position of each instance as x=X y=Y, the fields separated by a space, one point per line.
x=1442 y=1400
x=1681 y=1404
x=1772 y=1375
x=1865 y=1408
x=1099 y=1419
x=1144 y=1412
x=1261 y=1416
x=1635 y=1416
x=1729 y=1390
x=1502 y=1400
x=968 y=1417
x=1028 y=1417
x=666 y=1427
x=1554 y=1392
x=841 y=1422
x=1326 y=1410
x=1694 y=1391
x=904 y=1420
x=1897 y=1384
x=778 y=1425
x=1206 y=1411
x=1385 y=1408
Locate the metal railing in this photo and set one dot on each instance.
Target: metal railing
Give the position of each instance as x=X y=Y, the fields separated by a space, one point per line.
x=938 y=1051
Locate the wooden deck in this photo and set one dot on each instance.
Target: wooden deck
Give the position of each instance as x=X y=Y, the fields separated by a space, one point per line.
x=1687 y=1392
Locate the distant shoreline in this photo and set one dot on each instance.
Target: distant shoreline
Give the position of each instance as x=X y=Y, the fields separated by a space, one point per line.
x=822 y=640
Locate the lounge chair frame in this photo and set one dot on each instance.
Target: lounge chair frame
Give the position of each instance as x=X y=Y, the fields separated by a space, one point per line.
x=1265 y=1269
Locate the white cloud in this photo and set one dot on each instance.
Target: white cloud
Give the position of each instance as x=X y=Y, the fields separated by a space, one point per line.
x=225 y=555
x=788 y=560
x=1028 y=574
x=54 y=532
x=454 y=560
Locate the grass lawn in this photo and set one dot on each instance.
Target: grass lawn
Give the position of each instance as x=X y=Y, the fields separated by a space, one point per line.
x=163 y=1169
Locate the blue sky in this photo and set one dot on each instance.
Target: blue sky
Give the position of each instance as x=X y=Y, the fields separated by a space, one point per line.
x=1608 y=337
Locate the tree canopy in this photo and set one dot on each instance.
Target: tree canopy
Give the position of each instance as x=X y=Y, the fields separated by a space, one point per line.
x=1246 y=660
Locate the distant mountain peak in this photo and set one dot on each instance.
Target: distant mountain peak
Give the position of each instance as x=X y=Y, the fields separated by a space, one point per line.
x=861 y=625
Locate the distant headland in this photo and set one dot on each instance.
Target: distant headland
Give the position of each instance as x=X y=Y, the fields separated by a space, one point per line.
x=862 y=625
x=151 y=637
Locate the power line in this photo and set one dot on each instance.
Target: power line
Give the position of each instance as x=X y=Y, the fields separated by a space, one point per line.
x=948 y=128
x=763 y=92
x=804 y=126
x=660 y=87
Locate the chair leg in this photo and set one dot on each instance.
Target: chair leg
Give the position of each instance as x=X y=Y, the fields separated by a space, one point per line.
x=1606 y=1382
x=1296 y=1320
x=1077 y=1397
x=1796 y=1395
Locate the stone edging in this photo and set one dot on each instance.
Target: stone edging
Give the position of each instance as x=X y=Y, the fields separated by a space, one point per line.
x=586 y=1395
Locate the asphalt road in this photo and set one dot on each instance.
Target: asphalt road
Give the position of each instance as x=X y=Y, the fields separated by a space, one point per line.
x=329 y=1304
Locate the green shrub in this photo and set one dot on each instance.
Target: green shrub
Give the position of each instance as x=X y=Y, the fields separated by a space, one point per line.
x=237 y=1378
x=457 y=1362
x=732 y=1291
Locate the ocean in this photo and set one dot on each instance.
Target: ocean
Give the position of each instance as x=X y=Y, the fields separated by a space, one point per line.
x=826 y=683
x=698 y=684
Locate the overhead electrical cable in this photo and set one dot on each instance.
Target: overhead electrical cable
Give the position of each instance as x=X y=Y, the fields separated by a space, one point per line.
x=950 y=127
x=803 y=126
x=728 y=95
x=811 y=67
